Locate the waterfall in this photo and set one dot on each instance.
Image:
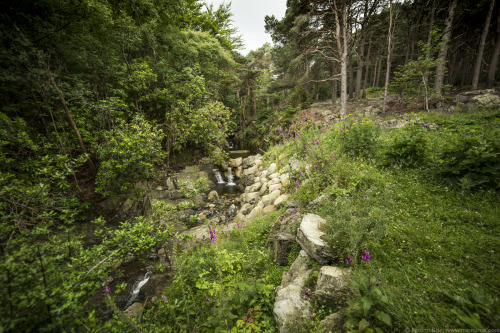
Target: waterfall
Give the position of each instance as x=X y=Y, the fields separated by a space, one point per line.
x=230 y=180
x=137 y=288
x=218 y=176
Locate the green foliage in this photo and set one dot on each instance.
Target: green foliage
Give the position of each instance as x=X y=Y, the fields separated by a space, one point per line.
x=408 y=147
x=469 y=157
x=128 y=156
x=190 y=191
x=300 y=98
x=366 y=313
x=360 y=137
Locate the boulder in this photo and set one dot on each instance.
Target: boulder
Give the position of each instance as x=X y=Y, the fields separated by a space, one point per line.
x=239 y=218
x=275 y=187
x=310 y=237
x=238 y=172
x=284 y=178
x=253 y=188
x=281 y=200
x=246 y=208
x=213 y=196
x=271 y=197
x=263 y=179
x=236 y=162
x=318 y=201
x=274 y=175
x=249 y=197
x=251 y=170
x=284 y=223
x=268 y=209
x=333 y=323
x=232 y=211
x=245 y=180
x=291 y=304
x=332 y=285
x=134 y=309
x=295 y=203
x=272 y=168
x=250 y=160
x=256 y=211
x=263 y=189
x=282 y=243
x=170 y=184
x=274 y=181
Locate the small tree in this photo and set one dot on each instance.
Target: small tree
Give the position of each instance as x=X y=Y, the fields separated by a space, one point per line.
x=413 y=78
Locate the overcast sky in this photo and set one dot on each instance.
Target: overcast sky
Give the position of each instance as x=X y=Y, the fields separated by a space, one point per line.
x=248 y=17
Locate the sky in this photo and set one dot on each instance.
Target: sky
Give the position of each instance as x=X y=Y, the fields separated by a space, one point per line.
x=248 y=17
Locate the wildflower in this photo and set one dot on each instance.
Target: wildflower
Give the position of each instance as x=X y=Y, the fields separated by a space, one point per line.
x=348 y=260
x=331 y=155
x=213 y=236
x=240 y=225
x=293 y=123
x=347 y=127
x=207 y=300
x=305 y=146
x=164 y=299
x=366 y=256
x=300 y=172
x=347 y=195
x=366 y=195
x=314 y=123
x=307 y=294
x=291 y=192
x=317 y=141
x=310 y=315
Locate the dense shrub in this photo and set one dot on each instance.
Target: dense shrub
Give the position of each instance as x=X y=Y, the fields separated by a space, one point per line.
x=301 y=97
x=360 y=137
x=128 y=156
x=408 y=147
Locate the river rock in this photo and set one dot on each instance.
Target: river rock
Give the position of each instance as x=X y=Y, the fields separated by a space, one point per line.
x=246 y=208
x=245 y=180
x=256 y=211
x=263 y=179
x=310 y=237
x=263 y=189
x=239 y=218
x=275 y=187
x=332 y=286
x=272 y=168
x=251 y=196
x=253 y=188
x=284 y=178
x=213 y=196
x=274 y=181
x=294 y=163
x=268 y=209
x=236 y=162
x=250 y=160
x=290 y=303
x=274 y=175
x=134 y=309
x=333 y=323
x=238 y=172
x=282 y=243
x=232 y=210
x=281 y=200
x=251 y=170
x=271 y=197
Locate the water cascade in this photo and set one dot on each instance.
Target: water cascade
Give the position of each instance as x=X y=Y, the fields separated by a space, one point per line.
x=218 y=177
x=137 y=288
x=230 y=180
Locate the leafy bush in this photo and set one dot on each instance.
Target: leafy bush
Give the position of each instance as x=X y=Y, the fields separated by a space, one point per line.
x=360 y=137
x=128 y=156
x=408 y=146
x=300 y=97
x=470 y=157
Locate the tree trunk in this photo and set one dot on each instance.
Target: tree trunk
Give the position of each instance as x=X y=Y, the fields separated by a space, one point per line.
x=334 y=83
x=443 y=50
x=61 y=97
x=359 y=72
x=375 y=72
x=490 y=81
x=479 y=59
x=341 y=39
x=351 y=79
x=389 y=51
x=367 y=67
x=378 y=73
x=429 y=37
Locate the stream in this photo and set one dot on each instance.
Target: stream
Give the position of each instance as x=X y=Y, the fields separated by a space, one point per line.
x=143 y=281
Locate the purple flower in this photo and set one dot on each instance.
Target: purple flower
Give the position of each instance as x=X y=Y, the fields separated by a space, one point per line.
x=347 y=195
x=240 y=225
x=164 y=299
x=366 y=195
x=317 y=141
x=348 y=260
x=310 y=315
x=300 y=172
x=207 y=300
x=331 y=155
x=366 y=256
x=305 y=146
x=307 y=294
x=347 y=127
x=213 y=236
x=291 y=192
x=293 y=123
x=314 y=123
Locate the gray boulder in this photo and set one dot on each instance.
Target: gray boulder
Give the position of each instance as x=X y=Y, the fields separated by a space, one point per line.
x=332 y=285
x=311 y=238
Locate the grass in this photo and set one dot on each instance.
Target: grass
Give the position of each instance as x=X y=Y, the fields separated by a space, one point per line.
x=435 y=248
